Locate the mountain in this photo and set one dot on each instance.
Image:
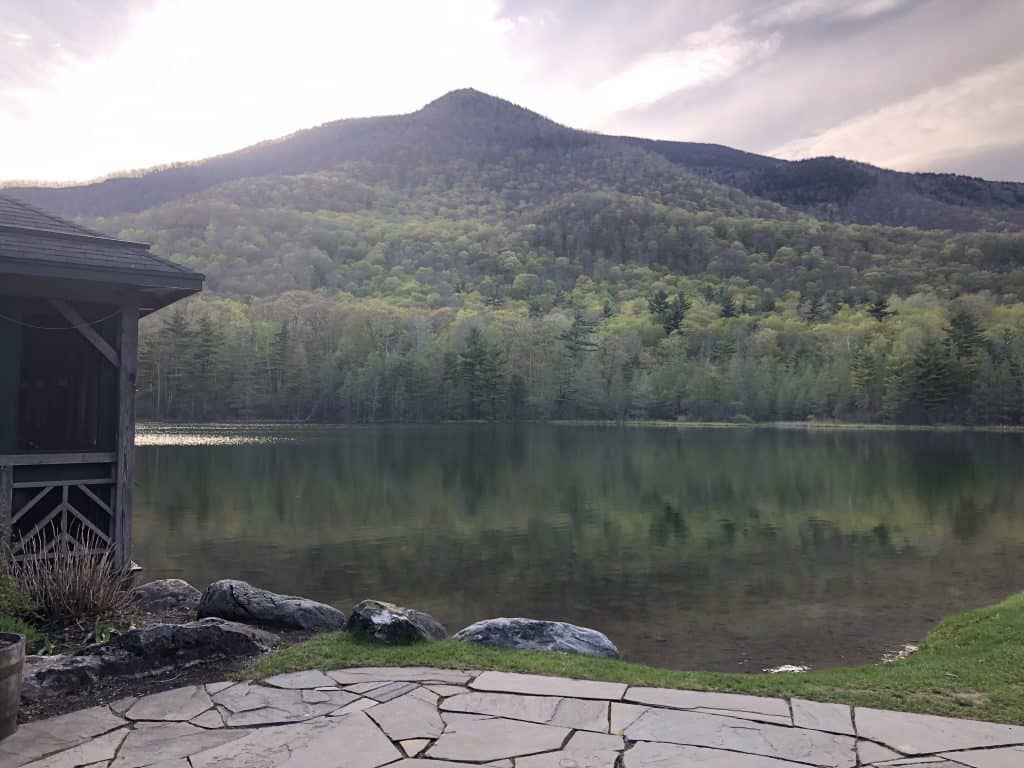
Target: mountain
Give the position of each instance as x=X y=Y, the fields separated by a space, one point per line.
x=474 y=259
x=472 y=127
x=834 y=189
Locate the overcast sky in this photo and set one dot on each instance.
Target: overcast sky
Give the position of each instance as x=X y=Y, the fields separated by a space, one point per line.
x=89 y=87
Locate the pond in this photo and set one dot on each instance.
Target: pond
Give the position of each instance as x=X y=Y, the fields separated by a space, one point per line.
x=722 y=549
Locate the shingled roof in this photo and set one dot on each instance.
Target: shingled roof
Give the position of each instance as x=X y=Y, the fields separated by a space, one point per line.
x=38 y=244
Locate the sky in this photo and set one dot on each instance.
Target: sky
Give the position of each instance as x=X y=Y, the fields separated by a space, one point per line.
x=93 y=87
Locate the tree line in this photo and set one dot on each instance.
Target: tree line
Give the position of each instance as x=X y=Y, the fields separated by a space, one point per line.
x=699 y=356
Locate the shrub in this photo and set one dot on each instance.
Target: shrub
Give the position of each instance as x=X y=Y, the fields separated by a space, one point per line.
x=74 y=582
x=34 y=639
x=14 y=601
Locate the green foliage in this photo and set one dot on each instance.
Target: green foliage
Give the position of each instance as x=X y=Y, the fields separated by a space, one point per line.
x=14 y=601
x=970 y=666
x=34 y=639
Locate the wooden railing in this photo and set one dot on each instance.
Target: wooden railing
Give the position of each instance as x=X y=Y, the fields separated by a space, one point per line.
x=53 y=498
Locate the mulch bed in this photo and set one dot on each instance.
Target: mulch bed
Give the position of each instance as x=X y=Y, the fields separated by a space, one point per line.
x=107 y=691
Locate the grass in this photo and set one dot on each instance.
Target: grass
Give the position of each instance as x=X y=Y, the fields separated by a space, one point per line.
x=970 y=665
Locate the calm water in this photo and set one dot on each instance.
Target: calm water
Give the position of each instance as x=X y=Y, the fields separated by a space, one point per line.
x=719 y=549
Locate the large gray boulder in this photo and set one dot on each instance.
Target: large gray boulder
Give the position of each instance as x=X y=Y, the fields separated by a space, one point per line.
x=240 y=601
x=535 y=635
x=166 y=595
x=141 y=653
x=394 y=624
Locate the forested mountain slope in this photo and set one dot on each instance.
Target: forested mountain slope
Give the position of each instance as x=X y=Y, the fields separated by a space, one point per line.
x=475 y=260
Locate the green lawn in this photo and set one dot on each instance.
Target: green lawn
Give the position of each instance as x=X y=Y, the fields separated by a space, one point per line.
x=971 y=665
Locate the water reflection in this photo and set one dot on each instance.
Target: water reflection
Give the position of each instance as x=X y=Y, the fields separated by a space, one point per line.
x=729 y=549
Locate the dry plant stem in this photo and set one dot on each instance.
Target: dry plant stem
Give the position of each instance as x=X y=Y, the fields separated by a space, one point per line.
x=76 y=580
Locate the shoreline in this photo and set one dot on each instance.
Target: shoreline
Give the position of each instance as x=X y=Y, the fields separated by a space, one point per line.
x=794 y=426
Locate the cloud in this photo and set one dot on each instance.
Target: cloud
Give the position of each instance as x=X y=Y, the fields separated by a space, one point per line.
x=40 y=36
x=973 y=115
x=93 y=86
x=795 y=11
x=703 y=57
x=826 y=73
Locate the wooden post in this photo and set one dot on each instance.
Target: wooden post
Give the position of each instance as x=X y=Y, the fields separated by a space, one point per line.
x=6 y=494
x=125 y=472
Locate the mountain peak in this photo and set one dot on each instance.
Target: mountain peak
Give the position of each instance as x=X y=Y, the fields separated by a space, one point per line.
x=469 y=97
x=476 y=106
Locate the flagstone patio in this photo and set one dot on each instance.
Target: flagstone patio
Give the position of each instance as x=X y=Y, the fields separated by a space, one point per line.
x=433 y=718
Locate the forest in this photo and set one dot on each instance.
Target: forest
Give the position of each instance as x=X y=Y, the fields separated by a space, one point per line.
x=488 y=264
x=602 y=306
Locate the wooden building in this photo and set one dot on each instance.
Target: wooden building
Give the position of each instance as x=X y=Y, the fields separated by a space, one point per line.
x=70 y=303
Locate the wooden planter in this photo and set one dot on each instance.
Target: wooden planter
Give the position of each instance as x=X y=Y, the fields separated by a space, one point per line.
x=12 y=656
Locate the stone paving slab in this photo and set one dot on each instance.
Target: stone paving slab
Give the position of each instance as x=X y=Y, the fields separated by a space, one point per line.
x=718 y=732
x=1003 y=757
x=44 y=737
x=834 y=718
x=496 y=738
x=653 y=755
x=403 y=674
x=928 y=734
x=664 y=697
x=539 y=685
x=179 y=704
x=408 y=717
x=100 y=750
x=419 y=717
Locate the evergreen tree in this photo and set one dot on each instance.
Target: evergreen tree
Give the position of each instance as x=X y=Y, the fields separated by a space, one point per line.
x=657 y=305
x=477 y=375
x=879 y=309
x=728 y=305
x=933 y=378
x=208 y=344
x=965 y=333
x=176 y=354
x=676 y=313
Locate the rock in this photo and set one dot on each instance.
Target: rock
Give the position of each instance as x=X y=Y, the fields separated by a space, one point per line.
x=167 y=595
x=393 y=624
x=142 y=653
x=240 y=601
x=536 y=635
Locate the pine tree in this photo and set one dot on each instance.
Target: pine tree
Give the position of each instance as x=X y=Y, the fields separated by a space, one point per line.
x=965 y=333
x=577 y=341
x=207 y=357
x=767 y=302
x=657 y=305
x=473 y=365
x=176 y=351
x=728 y=305
x=676 y=313
x=933 y=379
x=879 y=309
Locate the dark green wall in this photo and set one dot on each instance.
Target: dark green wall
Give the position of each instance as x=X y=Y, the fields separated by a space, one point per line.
x=10 y=359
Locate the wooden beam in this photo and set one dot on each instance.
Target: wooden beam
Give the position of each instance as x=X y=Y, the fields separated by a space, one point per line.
x=125 y=469
x=83 y=327
x=47 y=459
